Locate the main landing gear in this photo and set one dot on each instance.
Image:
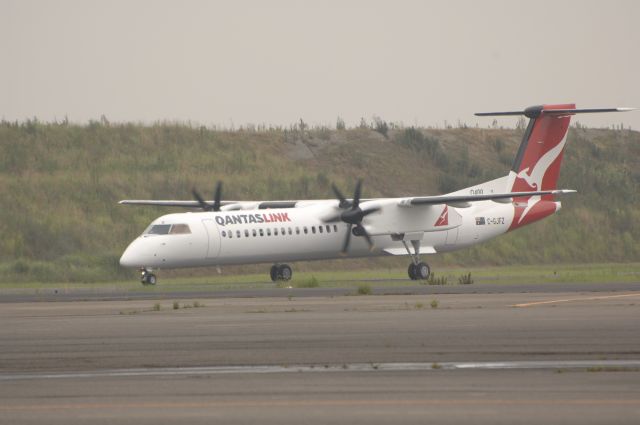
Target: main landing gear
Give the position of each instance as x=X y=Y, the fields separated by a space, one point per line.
x=418 y=270
x=147 y=278
x=281 y=272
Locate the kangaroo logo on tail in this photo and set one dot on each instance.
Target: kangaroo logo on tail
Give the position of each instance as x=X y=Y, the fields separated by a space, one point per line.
x=534 y=178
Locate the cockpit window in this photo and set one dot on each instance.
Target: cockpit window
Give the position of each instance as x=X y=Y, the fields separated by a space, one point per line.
x=168 y=229
x=159 y=229
x=179 y=229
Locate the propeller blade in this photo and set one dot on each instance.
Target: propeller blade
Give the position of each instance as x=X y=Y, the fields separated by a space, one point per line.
x=356 y=194
x=217 y=197
x=343 y=202
x=364 y=233
x=347 y=239
x=200 y=200
x=371 y=211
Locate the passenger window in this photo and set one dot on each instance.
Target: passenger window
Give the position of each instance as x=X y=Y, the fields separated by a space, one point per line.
x=290 y=230
x=328 y=229
x=159 y=229
x=305 y=230
x=282 y=232
x=230 y=233
x=335 y=228
x=224 y=234
x=254 y=233
x=320 y=229
x=275 y=231
x=238 y=234
x=313 y=229
x=246 y=233
x=268 y=232
x=261 y=232
x=297 y=230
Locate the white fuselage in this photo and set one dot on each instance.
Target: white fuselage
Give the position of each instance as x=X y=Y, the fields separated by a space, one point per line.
x=294 y=234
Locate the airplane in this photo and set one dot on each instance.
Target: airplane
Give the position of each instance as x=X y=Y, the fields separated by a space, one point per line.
x=279 y=232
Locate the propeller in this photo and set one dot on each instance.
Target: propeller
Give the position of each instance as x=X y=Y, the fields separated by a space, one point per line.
x=352 y=214
x=217 y=196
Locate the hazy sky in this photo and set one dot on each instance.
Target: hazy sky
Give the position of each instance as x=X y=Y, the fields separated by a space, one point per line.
x=223 y=62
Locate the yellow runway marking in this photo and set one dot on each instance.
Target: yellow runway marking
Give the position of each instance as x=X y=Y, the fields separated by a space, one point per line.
x=568 y=300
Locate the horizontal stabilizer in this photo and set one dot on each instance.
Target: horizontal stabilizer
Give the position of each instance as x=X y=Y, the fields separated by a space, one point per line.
x=535 y=111
x=460 y=199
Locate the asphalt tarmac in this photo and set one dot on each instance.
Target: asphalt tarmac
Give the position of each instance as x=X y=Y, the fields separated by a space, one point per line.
x=487 y=357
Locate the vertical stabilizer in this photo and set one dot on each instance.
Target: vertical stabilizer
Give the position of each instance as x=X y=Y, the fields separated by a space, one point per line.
x=537 y=163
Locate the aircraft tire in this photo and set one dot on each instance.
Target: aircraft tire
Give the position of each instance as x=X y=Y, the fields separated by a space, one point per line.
x=422 y=271
x=284 y=272
x=151 y=279
x=412 y=271
x=274 y=273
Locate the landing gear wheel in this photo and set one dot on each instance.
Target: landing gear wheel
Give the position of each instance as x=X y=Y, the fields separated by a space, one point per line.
x=412 y=271
x=422 y=271
x=148 y=278
x=284 y=272
x=281 y=272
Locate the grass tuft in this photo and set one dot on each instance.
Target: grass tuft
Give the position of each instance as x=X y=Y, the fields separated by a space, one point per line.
x=364 y=289
x=433 y=280
x=312 y=282
x=465 y=279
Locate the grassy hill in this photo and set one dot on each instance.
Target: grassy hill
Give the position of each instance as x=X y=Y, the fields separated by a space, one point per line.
x=60 y=184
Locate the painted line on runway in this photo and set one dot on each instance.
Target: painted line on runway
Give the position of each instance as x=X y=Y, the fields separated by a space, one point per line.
x=348 y=367
x=568 y=300
x=317 y=403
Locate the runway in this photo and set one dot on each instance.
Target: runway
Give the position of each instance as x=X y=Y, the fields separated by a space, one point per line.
x=158 y=293
x=543 y=356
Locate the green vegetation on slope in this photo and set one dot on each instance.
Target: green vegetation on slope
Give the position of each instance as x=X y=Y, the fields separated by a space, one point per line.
x=60 y=185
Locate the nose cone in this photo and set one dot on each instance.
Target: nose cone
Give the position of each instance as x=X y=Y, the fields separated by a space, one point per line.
x=130 y=257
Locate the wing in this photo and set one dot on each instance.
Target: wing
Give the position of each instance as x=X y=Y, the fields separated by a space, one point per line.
x=462 y=201
x=225 y=205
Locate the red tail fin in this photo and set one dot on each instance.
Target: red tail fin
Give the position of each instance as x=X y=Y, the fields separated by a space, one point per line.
x=537 y=164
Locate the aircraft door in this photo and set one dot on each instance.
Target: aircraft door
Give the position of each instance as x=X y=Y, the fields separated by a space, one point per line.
x=214 y=238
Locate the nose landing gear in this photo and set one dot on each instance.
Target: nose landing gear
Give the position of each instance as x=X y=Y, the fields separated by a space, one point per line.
x=281 y=272
x=147 y=278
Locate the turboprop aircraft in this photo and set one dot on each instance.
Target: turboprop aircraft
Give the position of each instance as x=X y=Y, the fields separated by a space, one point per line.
x=279 y=232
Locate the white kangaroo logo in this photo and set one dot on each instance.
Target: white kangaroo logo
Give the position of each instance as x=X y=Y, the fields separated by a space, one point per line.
x=534 y=179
